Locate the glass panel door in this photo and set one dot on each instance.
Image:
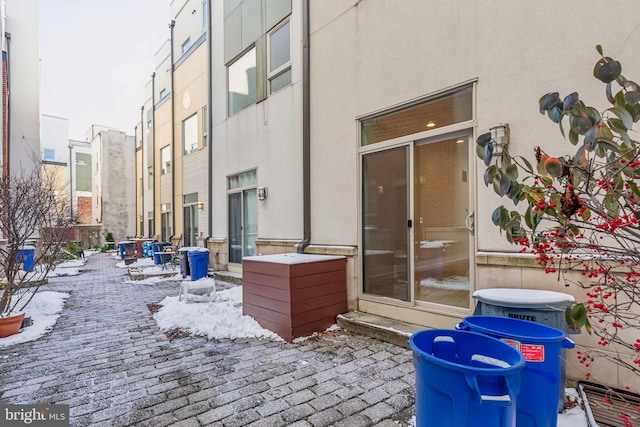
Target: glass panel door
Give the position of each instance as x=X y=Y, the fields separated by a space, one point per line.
x=235 y=227
x=441 y=207
x=190 y=225
x=385 y=216
x=250 y=222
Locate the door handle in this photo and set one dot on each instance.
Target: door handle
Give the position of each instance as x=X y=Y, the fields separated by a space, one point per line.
x=470 y=223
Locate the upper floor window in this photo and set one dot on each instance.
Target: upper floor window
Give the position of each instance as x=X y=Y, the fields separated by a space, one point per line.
x=190 y=134
x=242 y=82
x=186 y=45
x=205 y=126
x=163 y=94
x=279 y=57
x=48 y=154
x=165 y=160
x=205 y=13
x=150 y=177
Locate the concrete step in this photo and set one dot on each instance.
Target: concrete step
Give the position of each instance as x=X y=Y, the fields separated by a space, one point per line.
x=227 y=276
x=382 y=328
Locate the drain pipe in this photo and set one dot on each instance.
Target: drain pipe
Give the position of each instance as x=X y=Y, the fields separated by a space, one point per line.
x=209 y=123
x=153 y=150
x=306 y=133
x=143 y=171
x=7 y=160
x=173 y=137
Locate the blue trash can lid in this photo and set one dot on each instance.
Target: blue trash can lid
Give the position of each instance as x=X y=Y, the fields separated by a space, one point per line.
x=524 y=298
x=506 y=327
x=187 y=248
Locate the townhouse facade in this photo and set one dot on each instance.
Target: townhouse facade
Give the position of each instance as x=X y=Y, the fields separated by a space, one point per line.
x=348 y=128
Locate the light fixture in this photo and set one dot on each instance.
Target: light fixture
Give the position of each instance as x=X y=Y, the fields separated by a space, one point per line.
x=263 y=193
x=201 y=205
x=460 y=141
x=431 y=124
x=500 y=134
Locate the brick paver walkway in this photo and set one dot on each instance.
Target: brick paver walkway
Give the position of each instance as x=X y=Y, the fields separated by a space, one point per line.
x=107 y=359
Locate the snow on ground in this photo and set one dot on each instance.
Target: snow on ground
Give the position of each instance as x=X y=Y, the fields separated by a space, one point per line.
x=220 y=319
x=44 y=309
x=216 y=320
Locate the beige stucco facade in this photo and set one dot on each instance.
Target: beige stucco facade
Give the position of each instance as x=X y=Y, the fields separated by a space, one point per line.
x=369 y=57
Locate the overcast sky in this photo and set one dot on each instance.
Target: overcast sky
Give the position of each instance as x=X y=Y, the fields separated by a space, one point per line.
x=96 y=57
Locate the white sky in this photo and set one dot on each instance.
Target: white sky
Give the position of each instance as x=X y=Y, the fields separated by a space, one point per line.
x=96 y=57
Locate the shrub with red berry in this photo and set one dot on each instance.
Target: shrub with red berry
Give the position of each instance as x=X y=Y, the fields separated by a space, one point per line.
x=580 y=210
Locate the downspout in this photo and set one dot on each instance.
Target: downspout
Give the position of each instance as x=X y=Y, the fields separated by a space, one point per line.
x=306 y=133
x=173 y=140
x=209 y=124
x=143 y=172
x=153 y=149
x=70 y=181
x=7 y=160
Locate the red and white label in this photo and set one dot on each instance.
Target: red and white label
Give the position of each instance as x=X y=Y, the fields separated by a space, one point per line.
x=530 y=352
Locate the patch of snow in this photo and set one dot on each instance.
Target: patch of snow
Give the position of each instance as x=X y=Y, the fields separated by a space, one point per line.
x=44 y=310
x=215 y=320
x=138 y=263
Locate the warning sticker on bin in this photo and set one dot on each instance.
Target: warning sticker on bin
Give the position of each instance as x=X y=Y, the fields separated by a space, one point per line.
x=530 y=352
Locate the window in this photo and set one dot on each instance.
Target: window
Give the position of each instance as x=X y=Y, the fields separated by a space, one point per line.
x=205 y=125
x=83 y=172
x=190 y=134
x=150 y=178
x=186 y=45
x=279 y=57
x=242 y=82
x=165 y=161
x=205 y=13
x=48 y=154
x=163 y=94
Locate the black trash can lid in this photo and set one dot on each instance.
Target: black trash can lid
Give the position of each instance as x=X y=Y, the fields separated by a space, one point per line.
x=524 y=298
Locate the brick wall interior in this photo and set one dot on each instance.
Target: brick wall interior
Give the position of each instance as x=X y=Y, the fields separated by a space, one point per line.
x=84 y=210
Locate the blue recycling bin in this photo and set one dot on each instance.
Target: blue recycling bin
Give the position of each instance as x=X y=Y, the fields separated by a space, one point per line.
x=156 y=248
x=465 y=379
x=126 y=248
x=541 y=346
x=198 y=263
x=26 y=255
x=147 y=249
x=183 y=254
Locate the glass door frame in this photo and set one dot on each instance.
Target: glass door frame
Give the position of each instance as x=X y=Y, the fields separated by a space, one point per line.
x=410 y=141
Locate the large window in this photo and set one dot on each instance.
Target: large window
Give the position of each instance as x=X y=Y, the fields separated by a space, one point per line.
x=242 y=82
x=190 y=134
x=83 y=172
x=279 y=57
x=165 y=222
x=205 y=126
x=165 y=160
x=48 y=154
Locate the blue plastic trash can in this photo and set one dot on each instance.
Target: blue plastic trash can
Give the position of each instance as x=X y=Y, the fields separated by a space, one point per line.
x=183 y=254
x=126 y=248
x=545 y=307
x=26 y=255
x=465 y=379
x=198 y=263
x=541 y=346
x=157 y=247
x=147 y=249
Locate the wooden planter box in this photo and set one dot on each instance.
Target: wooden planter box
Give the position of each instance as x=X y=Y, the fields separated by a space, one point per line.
x=294 y=295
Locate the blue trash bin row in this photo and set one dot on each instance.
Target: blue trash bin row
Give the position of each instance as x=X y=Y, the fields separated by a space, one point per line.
x=465 y=381
x=26 y=256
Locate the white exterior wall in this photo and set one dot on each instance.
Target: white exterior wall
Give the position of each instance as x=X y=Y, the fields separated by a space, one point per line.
x=24 y=80
x=266 y=136
x=55 y=136
x=114 y=181
x=368 y=56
